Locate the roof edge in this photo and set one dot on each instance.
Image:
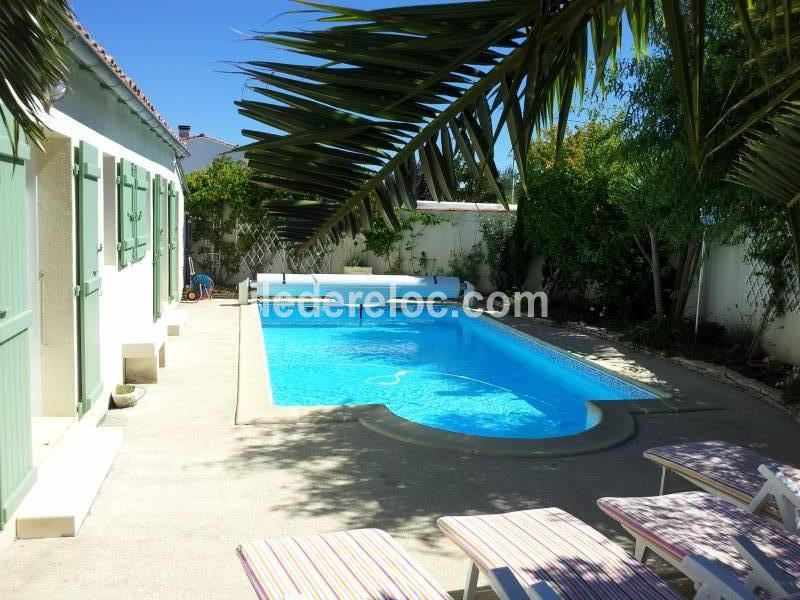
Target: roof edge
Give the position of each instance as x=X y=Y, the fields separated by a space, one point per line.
x=205 y=136
x=103 y=65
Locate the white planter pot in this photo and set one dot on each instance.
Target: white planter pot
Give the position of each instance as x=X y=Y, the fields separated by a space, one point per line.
x=358 y=270
x=129 y=399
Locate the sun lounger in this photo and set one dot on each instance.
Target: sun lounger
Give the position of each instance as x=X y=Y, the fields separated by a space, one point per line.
x=526 y=555
x=697 y=523
x=550 y=545
x=731 y=472
x=364 y=564
x=507 y=587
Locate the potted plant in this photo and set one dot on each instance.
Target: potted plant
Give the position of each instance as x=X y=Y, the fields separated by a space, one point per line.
x=125 y=395
x=356 y=264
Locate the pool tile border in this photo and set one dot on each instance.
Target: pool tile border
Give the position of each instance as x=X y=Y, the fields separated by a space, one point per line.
x=616 y=381
x=616 y=426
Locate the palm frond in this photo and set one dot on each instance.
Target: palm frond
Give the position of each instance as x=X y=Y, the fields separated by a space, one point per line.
x=397 y=87
x=31 y=51
x=769 y=166
x=422 y=84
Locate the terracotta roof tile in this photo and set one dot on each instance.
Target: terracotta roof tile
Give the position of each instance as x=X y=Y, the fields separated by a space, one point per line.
x=129 y=83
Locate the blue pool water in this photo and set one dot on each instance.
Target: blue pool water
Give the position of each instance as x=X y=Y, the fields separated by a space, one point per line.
x=454 y=373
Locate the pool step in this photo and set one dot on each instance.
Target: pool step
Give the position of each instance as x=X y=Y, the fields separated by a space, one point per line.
x=68 y=482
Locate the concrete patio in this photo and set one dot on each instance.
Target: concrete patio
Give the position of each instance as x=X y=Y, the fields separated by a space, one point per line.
x=188 y=484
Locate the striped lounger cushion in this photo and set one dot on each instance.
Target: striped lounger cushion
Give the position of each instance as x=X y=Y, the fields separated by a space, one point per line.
x=731 y=469
x=551 y=545
x=676 y=525
x=364 y=564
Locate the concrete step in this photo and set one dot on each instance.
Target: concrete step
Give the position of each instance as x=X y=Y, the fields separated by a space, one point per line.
x=176 y=321
x=68 y=482
x=47 y=435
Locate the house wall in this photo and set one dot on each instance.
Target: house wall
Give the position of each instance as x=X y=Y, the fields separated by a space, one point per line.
x=203 y=150
x=724 y=299
x=91 y=114
x=100 y=111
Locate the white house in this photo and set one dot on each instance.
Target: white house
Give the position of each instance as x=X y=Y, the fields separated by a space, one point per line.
x=203 y=149
x=91 y=261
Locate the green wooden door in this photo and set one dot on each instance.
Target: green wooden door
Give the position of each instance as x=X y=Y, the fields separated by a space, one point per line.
x=16 y=451
x=89 y=277
x=173 y=241
x=158 y=245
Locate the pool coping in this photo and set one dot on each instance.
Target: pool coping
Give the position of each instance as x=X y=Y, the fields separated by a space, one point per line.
x=255 y=406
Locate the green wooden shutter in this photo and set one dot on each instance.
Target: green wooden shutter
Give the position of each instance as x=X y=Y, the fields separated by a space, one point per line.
x=142 y=178
x=16 y=450
x=173 y=242
x=126 y=212
x=158 y=248
x=89 y=277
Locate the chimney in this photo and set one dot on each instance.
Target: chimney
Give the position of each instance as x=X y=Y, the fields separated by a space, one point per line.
x=184 y=131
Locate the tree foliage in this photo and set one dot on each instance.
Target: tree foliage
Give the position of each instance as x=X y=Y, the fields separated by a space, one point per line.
x=770 y=168
x=384 y=241
x=222 y=196
x=476 y=188
x=568 y=219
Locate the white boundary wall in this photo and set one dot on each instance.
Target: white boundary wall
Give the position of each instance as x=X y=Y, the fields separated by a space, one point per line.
x=459 y=231
x=725 y=299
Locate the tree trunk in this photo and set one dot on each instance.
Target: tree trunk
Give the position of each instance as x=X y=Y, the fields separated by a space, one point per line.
x=684 y=275
x=766 y=320
x=655 y=267
x=654 y=261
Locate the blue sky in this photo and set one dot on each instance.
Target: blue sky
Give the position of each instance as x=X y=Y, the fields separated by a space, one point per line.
x=176 y=51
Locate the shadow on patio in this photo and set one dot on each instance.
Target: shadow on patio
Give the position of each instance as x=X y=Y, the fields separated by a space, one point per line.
x=363 y=479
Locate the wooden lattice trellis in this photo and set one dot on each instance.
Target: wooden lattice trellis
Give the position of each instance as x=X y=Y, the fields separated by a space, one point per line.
x=758 y=289
x=269 y=253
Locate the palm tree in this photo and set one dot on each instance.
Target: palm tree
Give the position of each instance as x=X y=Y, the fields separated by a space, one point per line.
x=32 y=47
x=397 y=86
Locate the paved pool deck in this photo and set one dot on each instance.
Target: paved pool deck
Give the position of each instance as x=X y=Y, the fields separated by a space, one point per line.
x=188 y=484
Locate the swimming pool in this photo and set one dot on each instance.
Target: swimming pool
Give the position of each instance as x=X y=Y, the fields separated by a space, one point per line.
x=454 y=373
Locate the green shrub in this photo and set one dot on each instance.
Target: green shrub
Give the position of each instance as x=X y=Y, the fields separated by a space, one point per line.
x=383 y=241
x=498 y=233
x=711 y=342
x=466 y=265
x=567 y=219
x=791 y=390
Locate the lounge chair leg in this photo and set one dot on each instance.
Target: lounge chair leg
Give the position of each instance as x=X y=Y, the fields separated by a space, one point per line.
x=663 y=485
x=640 y=550
x=471 y=584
